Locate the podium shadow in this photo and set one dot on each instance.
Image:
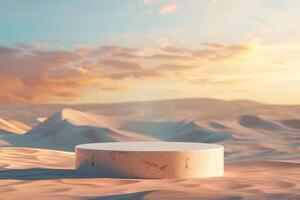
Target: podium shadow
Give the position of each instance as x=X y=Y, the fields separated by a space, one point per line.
x=39 y=174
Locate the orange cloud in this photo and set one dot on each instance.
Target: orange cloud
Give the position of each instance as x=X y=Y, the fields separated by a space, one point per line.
x=220 y=52
x=227 y=81
x=174 y=67
x=169 y=9
x=34 y=75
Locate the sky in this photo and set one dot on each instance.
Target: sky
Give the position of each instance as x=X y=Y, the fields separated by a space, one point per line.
x=76 y=51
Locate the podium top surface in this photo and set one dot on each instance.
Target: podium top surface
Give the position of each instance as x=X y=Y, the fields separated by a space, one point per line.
x=149 y=146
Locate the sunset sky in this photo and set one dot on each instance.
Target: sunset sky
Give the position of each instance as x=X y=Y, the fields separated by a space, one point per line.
x=78 y=51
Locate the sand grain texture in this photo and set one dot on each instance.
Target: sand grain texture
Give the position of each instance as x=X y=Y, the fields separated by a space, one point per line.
x=46 y=174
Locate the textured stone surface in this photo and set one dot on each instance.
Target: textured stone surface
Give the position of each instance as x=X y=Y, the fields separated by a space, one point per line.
x=150 y=160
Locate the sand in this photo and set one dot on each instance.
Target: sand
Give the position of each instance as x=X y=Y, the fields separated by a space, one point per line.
x=47 y=174
x=262 y=149
x=13 y=126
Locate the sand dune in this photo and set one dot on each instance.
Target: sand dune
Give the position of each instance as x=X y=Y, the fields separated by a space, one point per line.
x=252 y=121
x=9 y=131
x=175 y=110
x=13 y=126
x=262 y=149
x=292 y=123
x=68 y=128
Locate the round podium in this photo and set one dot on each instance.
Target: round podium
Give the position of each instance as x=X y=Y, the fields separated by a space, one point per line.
x=150 y=160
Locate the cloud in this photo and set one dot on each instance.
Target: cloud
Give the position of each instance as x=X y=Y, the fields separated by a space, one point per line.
x=221 y=81
x=170 y=57
x=215 y=45
x=35 y=75
x=166 y=69
x=169 y=9
x=41 y=45
x=148 y=1
x=172 y=49
x=211 y=52
x=8 y=51
x=36 y=45
x=220 y=52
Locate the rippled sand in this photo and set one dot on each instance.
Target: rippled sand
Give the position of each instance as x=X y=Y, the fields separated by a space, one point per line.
x=46 y=174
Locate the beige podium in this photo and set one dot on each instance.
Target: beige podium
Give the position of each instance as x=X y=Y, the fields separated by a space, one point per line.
x=150 y=160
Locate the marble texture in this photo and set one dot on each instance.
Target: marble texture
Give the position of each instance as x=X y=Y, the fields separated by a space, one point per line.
x=150 y=160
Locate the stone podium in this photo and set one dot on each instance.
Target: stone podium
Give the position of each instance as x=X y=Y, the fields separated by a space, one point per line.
x=150 y=160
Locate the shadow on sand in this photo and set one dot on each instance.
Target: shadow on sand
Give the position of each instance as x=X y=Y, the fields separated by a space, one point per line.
x=173 y=195
x=50 y=173
x=131 y=196
x=38 y=174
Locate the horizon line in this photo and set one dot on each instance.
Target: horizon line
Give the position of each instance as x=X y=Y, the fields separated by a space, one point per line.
x=157 y=100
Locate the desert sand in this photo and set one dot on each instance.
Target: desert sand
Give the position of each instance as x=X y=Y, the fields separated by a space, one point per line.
x=262 y=149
